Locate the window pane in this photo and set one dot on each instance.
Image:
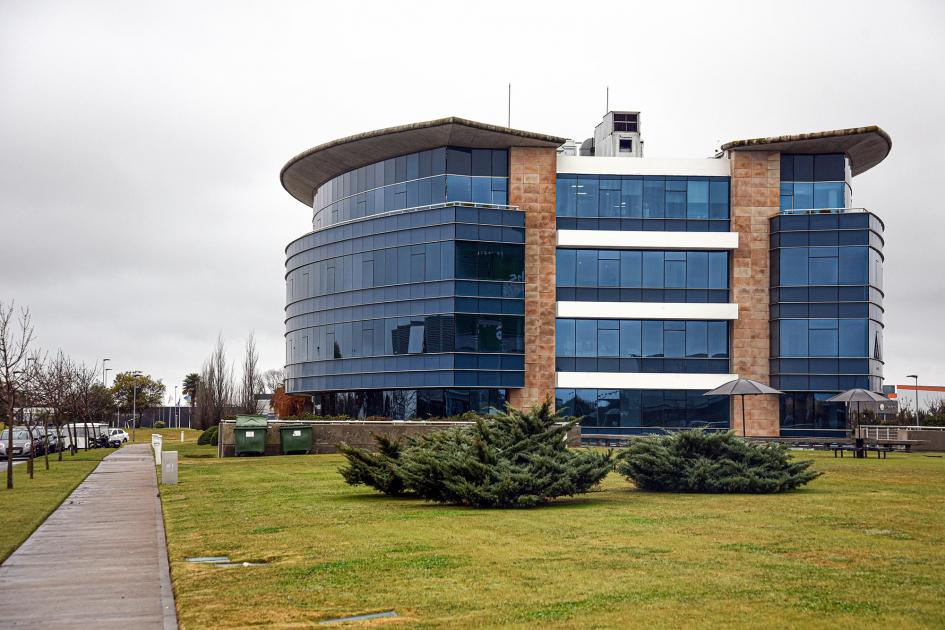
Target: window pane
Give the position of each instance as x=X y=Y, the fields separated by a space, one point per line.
x=718 y=339
x=586 y=338
x=697 y=199
x=631 y=198
x=608 y=273
x=829 y=195
x=854 y=265
x=564 y=338
x=803 y=168
x=567 y=196
x=675 y=274
x=854 y=338
x=674 y=343
x=653 y=270
x=630 y=345
x=794 y=266
x=793 y=337
x=803 y=195
x=823 y=270
x=586 y=268
x=697 y=270
x=829 y=168
x=608 y=343
x=564 y=267
x=718 y=200
x=652 y=339
x=631 y=269
x=697 y=344
x=587 y=196
x=653 y=191
x=718 y=270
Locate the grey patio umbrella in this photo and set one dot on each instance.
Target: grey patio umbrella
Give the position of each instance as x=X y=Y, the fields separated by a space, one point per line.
x=858 y=396
x=742 y=387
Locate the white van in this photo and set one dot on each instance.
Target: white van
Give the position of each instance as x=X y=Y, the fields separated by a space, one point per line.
x=78 y=430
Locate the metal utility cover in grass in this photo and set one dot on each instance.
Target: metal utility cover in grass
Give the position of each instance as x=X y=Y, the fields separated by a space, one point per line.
x=380 y=615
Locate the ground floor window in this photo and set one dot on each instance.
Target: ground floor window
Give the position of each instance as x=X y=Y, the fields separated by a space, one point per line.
x=407 y=404
x=809 y=413
x=642 y=410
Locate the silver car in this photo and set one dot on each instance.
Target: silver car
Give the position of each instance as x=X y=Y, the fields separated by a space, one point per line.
x=22 y=442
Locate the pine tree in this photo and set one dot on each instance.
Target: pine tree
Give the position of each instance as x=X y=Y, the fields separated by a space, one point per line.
x=696 y=461
x=374 y=469
x=516 y=459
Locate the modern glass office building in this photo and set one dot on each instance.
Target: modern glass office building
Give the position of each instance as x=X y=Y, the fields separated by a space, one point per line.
x=455 y=266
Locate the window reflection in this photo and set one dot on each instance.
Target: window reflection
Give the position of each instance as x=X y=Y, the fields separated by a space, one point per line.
x=627 y=411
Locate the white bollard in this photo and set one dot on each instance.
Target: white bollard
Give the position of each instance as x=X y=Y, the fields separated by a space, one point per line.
x=181 y=436
x=169 y=468
x=157 y=443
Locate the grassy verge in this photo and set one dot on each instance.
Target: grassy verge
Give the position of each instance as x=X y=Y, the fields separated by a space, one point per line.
x=861 y=545
x=25 y=507
x=171 y=436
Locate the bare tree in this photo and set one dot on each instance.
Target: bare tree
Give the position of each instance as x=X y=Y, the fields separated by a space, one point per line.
x=16 y=335
x=272 y=379
x=215 y=389
x=251 y=382
x=52 y=381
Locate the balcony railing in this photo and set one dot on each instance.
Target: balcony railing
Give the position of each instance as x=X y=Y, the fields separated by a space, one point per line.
x=823 y=211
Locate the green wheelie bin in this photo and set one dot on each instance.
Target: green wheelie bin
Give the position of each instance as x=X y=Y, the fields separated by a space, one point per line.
x=296 y=438
x=250 y=435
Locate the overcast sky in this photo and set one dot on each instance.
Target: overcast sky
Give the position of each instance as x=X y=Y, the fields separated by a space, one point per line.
x=141 y=142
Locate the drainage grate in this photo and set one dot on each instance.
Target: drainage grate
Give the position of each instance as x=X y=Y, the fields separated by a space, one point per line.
x=208 y=559
x=379 y=615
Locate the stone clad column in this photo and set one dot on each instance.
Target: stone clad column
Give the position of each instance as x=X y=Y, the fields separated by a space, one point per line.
x=756 y=180
x=532 y=181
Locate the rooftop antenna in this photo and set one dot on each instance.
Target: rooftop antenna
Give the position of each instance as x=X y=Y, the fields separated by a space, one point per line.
x=509 y=124
x=607 y=101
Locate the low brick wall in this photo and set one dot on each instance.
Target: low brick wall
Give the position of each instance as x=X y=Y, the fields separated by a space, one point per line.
x=934 y=440
x=327 y=434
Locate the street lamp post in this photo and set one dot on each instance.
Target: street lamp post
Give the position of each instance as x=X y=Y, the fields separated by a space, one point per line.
x=104 y=373
x=176 y=415
x=134 y=404
x=916 y=377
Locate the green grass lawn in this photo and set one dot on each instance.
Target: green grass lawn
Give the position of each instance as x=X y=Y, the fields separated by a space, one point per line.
x=862 y=545
x=25 y=507
x=171 y=436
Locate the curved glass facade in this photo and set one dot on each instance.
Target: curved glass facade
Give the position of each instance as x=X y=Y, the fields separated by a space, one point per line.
x=415 y=180
x=826 y=314
x=422 y=300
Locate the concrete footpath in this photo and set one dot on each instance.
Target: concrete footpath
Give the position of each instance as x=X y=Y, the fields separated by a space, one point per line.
x=99 y=560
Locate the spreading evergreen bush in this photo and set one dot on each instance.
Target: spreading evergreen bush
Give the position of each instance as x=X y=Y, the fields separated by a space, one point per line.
x=209 y=436
x=374 y=469
x=696 y=461
x=515 y=459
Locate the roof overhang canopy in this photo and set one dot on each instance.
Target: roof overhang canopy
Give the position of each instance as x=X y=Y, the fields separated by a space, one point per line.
x=865 y=146
x=304 y=173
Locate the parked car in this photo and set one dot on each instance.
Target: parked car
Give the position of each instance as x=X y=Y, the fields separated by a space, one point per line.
x=50 y=439
x=117 y=437
x=23 y=441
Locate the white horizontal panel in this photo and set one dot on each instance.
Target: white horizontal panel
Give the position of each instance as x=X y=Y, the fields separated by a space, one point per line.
x=613 y=239
x=622 y=380
x=589 y=165
x=646 y=310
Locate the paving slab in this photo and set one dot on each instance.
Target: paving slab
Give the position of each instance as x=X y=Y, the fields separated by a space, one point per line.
x=99 y=560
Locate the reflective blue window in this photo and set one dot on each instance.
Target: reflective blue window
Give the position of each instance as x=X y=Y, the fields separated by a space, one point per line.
x=631 y=411
x=587 y=202
x=642 y=275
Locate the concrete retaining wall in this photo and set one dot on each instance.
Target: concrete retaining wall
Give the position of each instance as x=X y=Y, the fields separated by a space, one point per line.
x=326 y=435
